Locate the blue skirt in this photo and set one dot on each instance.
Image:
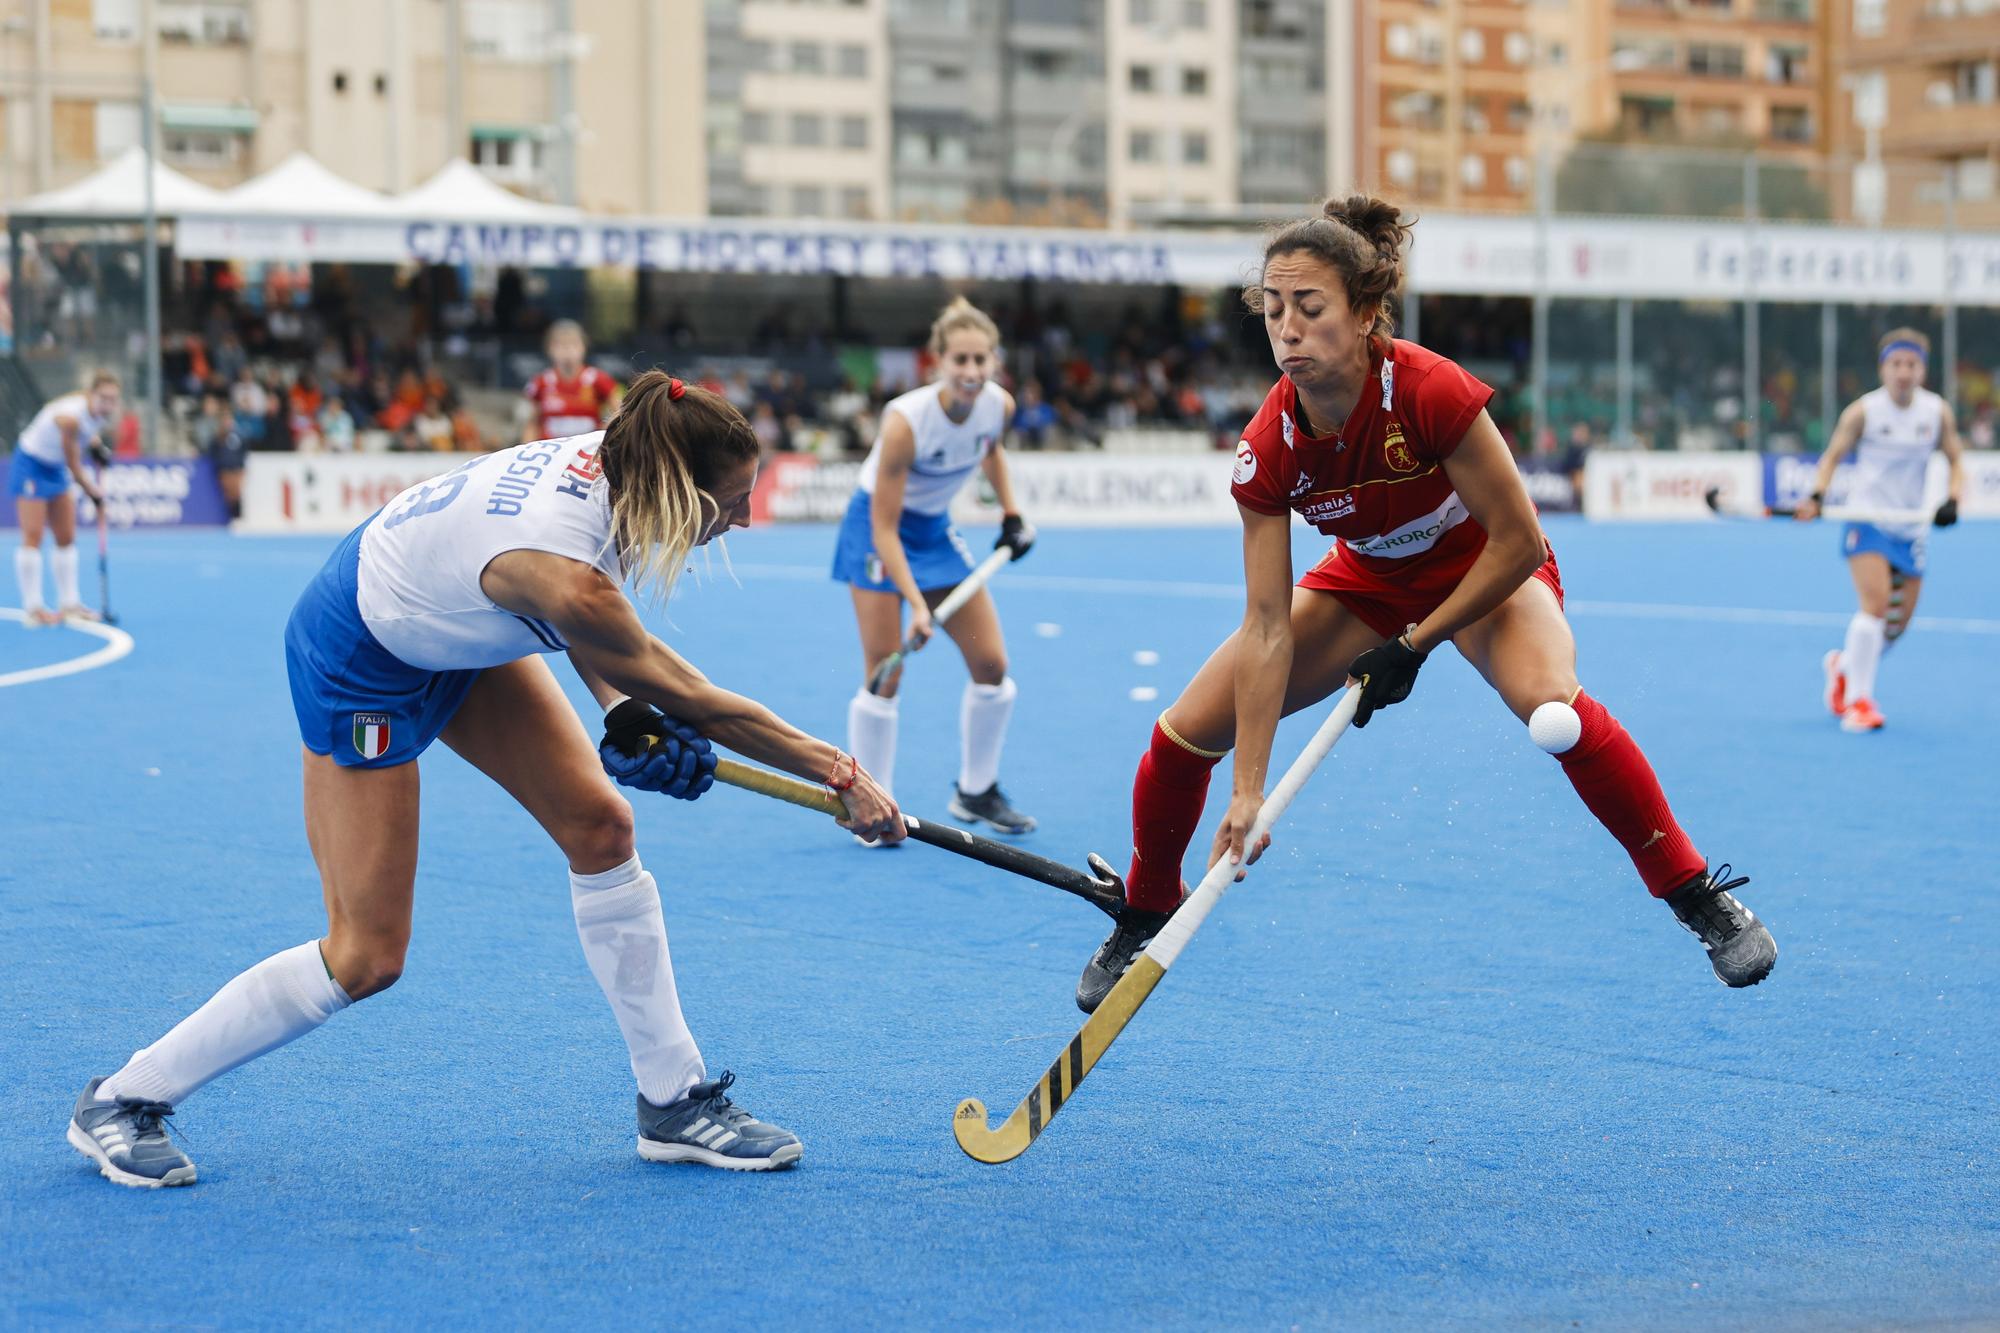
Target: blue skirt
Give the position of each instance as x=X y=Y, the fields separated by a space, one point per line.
x=356 y=700
x=29 y=478
x=937 y=554
x=1904 y=554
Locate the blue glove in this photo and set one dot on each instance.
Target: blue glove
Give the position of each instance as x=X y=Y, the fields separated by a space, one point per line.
x=646 y=749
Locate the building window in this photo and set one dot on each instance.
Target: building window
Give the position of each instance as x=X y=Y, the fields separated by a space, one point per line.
x=1646 y=115
x=1719 y=120
x=1972 y=81
x=1557 y=56
x=1520 y=117
x=117 y=127
x=1472 y=118
x=202 y=149
x=1519 y=47
x=209 y=23
x=1791 y=124
x=340 y=81
x=114 y=20
x=1975 y=177
x=1472 y=171
x=511 y=156
x=853 y=61
x=1401 y=166
x=1870 y=17
x=1785 y=11
x=1194 y=147
x=854 y=201
x=854 y=131
x=756 y=127
x=1472 y=46
x=756 y=199
x=1518 y=175
x=1399 y=41
x=1141 y=12
x=808 y=129
x=513 y=30
x=1785 y=64
x=1194 y=13
x=1718 y=60
x=757 y=58
x=1194 y=81
x=808 y=58
x=808 y=201
x=1140 y=78
x=1143 y=146
x=1419 y=108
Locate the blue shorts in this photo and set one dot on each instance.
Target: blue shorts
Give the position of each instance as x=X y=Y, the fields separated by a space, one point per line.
x=1904 y=554
x=936 y=552
x=354 y=699
x=29 y=478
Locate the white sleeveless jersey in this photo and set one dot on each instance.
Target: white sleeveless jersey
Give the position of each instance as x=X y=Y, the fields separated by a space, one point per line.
x=421 y=557
x=42 y=440
x=1894 y=453
x=947 y=450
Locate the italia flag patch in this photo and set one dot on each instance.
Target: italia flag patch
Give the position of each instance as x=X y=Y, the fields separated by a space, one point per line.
x=371 y=734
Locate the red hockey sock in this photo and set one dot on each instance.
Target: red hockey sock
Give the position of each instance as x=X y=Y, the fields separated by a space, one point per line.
x=1612 y=776
x=1167 y=798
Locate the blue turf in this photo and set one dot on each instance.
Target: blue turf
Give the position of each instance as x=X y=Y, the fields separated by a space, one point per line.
x=1440 y=1062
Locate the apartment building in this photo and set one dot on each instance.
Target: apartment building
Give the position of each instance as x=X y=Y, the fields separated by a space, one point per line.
x=582 y=100
x=1917 y=106
x=1752 y=72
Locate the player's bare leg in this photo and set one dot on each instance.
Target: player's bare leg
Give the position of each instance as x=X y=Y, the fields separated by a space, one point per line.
x=983 y=714
x=1188 y=741
x=517 y=727
x=1525 y=650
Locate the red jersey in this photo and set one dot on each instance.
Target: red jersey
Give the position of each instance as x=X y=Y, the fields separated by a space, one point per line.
x=1378 y=483
x=571 y=407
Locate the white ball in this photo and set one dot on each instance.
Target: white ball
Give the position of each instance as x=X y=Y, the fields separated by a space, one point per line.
x=1555 y=727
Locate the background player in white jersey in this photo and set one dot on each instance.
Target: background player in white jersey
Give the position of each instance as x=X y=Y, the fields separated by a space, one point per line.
x=897 y=547
x=427 y=623
x=48 y=457
x=1892 y=431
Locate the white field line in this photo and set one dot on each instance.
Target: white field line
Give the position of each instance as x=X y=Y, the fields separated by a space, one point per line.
x=117 y=643
x=1230 y=592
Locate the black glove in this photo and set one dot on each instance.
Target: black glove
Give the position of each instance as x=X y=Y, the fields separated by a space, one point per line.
x=1015 y=535
x=100 y=452
x=1386 y=675
x=646 y=749
x=1947 y=514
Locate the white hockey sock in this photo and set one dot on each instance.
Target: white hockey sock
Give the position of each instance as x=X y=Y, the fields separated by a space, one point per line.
x=1862 y=654
x=982 y=731
x=871 y=736
x=63 y=564
x=28 y=572
x=625 y=941
x=279 y=1000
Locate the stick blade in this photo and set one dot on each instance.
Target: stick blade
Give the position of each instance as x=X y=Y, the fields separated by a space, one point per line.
x=981 y=1142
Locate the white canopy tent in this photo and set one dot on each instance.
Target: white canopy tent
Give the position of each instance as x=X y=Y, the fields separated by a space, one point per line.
x=299 y=187
x=118 y=190
x=460 y=192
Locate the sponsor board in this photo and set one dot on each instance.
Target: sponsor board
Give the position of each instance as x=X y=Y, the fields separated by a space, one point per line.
x=1635 y=484
x=1549 y=485
x=800 y=488
x=330 y=492
x=149 y=493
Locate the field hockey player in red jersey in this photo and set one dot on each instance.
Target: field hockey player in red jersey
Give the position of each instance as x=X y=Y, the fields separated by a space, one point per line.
x=1387 y=448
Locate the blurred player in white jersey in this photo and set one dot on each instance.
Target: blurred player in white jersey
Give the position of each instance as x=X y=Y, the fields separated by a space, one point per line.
x=897 y=547
x=1892 y=431
x=429 y=623
x=48 y=459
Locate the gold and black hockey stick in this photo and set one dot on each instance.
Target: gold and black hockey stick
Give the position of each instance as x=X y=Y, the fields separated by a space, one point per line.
x=985 y=1143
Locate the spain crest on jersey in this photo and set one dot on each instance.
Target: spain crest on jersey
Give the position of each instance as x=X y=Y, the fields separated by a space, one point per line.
x=371 y=735
x=1397 y=450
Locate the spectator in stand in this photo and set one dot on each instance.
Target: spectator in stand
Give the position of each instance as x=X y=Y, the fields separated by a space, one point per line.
x=1574 y=454
x=433 y=426
x=216 y=436
x=306 y=400
x=466 y=436
x=1033 y=417
x=769 y=430
x=252 y=405
x=570 y=397
x=336 y=427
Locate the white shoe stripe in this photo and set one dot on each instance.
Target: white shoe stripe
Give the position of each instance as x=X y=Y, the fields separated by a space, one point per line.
x=728 y=1137
x=708 y=1136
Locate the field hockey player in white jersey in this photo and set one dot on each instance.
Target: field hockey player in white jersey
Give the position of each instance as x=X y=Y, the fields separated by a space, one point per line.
x=43 y=476
x=428 y=623
x=1892 y=432
x=897 y=548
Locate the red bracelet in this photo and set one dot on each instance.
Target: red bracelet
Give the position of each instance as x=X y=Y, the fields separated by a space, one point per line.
x=853 y=772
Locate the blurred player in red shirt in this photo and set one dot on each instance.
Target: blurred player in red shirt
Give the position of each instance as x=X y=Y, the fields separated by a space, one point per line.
x=569 y=398
x=1388 y=448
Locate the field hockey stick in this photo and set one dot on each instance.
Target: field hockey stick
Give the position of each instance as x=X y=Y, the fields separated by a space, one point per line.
x=985 y=1144
x=1103 y=890
x=103 y=554
x=1833 y=513
x=946 y=609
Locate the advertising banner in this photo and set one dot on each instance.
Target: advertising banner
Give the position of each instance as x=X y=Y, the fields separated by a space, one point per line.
x=1788 y=479
x=1635 y=484
x=329 y=492
x=149 y=493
